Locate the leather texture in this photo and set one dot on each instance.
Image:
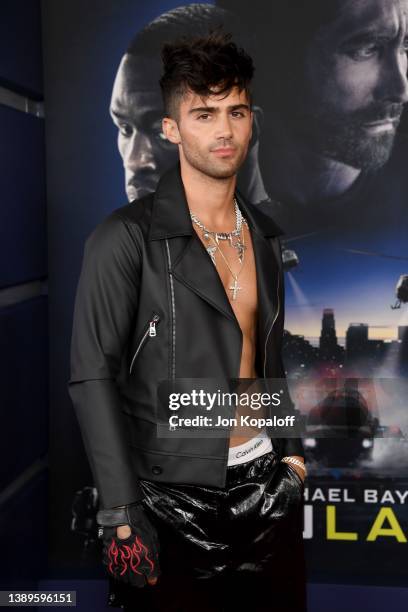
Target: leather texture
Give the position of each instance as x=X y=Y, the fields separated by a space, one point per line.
x=116 y=516
x=145 y=263
x=217 y=544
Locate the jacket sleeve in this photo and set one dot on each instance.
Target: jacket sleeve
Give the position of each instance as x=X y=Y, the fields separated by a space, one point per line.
x=105 y=306
x=290 y=446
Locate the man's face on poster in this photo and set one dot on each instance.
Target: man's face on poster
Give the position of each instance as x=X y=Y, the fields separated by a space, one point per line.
x=136 y=109
x=355 y=83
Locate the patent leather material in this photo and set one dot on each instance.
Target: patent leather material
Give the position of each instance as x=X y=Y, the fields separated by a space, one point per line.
x=248 y=534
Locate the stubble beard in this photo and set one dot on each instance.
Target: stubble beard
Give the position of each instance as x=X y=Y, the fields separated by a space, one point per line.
x=214 y=168
x=343 y=138
x=351 y=146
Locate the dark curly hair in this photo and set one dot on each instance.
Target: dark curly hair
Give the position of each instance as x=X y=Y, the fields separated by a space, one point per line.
x=202 y=63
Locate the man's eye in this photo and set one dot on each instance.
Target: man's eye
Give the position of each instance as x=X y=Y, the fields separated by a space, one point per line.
x=125 y=129
x=204 y=116
x=237 y=114
x=363 y=53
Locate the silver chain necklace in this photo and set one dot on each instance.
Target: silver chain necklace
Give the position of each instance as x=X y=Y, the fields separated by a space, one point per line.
x=238 y=244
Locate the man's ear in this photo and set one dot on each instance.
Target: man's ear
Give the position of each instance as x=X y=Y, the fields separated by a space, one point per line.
x=170 y=130
x=257 y=122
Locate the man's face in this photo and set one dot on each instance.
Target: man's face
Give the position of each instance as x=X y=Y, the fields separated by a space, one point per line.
x=213 y=133
x=136 y=109
x=355 y=83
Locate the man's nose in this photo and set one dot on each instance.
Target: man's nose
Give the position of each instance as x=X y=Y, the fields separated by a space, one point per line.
x=139 y=153
x=223 y=128
x=395 y=84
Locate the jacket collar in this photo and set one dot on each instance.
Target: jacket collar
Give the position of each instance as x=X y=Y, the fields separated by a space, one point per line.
x=171 y=217
x=191 y=265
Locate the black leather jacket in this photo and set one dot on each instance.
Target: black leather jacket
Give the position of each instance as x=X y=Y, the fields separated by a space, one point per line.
x=144 y=267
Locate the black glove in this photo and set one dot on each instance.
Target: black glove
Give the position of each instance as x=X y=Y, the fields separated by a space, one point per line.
x=134 y=559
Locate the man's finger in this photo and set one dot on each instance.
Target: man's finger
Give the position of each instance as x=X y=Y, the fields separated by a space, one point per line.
x=152 y=580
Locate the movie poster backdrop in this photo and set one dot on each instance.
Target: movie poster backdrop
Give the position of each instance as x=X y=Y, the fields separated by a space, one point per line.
x=345 y=250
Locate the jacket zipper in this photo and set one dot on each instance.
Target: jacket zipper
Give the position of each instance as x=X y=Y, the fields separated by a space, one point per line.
x=270 y=329
x=173 y=322
x=151 y=332
x=173 y=316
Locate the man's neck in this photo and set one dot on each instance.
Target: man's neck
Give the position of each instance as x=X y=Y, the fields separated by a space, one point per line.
x=298 y=174
x=210 y=199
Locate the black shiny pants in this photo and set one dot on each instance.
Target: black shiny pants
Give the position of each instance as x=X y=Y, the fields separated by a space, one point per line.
x=226 y=549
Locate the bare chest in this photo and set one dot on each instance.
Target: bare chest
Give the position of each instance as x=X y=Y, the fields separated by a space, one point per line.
x=238 y=279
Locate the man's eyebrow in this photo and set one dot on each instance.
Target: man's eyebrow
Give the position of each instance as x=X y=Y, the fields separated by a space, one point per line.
x=215 y=109
x=147 y=117
x=368 y=35
x=117 y=114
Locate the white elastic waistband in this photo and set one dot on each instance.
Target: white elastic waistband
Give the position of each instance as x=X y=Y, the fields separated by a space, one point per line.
x=253 y=448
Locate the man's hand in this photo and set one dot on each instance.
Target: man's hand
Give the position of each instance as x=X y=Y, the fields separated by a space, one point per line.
x=123 y=532
x=130 y=545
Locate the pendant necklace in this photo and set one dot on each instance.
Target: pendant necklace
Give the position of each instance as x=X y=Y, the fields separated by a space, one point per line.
x=238 y=244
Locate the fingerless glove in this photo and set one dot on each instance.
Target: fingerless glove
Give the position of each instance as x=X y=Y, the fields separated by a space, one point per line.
x=134 y=559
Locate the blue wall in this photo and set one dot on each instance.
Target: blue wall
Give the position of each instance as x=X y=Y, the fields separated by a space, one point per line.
x=23 y=306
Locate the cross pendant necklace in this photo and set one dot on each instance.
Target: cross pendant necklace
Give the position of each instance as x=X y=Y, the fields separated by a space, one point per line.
x=239 y=245
x=235 y=288
x=212 y=250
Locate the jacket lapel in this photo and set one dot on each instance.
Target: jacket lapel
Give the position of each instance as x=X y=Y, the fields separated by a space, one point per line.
x=267 y=266
x=192 y=265
x=195 y=270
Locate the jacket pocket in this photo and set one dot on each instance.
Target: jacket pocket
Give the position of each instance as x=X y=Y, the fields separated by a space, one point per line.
x=149 y=332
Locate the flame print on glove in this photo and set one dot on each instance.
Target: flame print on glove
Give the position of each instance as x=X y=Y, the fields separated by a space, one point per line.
x=126 y=557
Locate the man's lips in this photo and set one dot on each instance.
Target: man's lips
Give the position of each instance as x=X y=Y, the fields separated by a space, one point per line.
x=134 y=193
x=224 y=151
x=382 y=125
